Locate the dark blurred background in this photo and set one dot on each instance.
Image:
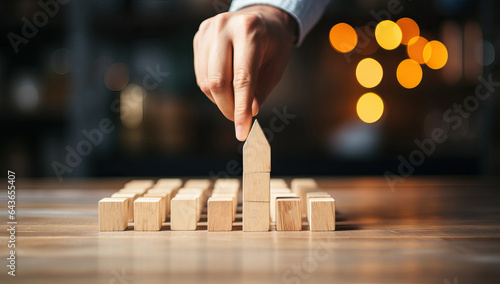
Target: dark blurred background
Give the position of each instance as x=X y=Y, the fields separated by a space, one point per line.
x=121 y=71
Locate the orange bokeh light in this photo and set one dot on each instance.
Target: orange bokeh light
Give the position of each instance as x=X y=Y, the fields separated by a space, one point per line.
x=409 y=28
x=343 y=37
x=415 y=49
x=435 y=54
x=409 y=73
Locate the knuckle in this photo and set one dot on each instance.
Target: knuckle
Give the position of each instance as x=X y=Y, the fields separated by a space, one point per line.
x=242 y=79
x=249 y=23
x=203 y=87
x=216 y=83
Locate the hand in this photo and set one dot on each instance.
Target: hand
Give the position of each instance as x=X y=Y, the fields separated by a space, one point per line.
x=239 y=57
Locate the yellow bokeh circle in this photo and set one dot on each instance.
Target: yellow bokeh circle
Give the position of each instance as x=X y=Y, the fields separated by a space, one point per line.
x=409 y=73
x=370 y=107
x=435 y=54
x=388 y=34
x=343 y=37
x=369 y=72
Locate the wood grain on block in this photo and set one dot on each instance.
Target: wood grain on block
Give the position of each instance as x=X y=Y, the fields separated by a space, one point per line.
x=256 y=151
x=183 y=213
x=233 y=197
x=288 y=214
x=165 y=201
x=256 y=186
x=278 y=183
x=147 y=214
x=131 y=197
x=139 y=183
x=272 y=204
x=200 y=200
x=256 y=216
x=198 y=183
x=113 y=214
x=220 y=214
x=321 y=214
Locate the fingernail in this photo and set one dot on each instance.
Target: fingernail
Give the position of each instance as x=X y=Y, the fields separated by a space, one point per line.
x=240 y=135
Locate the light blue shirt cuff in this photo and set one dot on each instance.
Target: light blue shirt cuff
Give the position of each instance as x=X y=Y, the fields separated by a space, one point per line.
x=305 y=12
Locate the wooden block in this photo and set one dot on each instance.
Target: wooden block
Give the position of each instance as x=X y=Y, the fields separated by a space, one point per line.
x=147 y=214
x=165 y=201
x=220 y=214
x=227 y=184
x=256 y=151
x=139 y=191
x=233 y=197
x=169 y=182
x=183 y=211
x=321 y=214
x=113 y=214
x=299 y=183
x=256 y=216
x=316 y=194
x=283 y=190
x=131 y=197
x=198 y=183
x=278 y=183
x=272 y=203
x=139 y=183
x=256 y=186
x=288 y=214
x=302 y=186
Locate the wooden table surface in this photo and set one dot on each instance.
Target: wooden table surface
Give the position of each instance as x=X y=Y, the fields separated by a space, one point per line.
x=429 y=230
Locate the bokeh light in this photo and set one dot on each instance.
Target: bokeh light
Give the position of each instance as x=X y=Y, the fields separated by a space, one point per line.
x=370 y=107
x=415 y=49
x=388 y=34
x=485 y=53
x=117 y=76
x=435 y=54
x=409 y=73
x=409 y=28
x=343 y=37
x=369 y=72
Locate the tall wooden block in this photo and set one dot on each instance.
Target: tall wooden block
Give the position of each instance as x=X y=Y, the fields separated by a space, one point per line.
x=321 y=214
x=165 y=202
x=131 y=197
x=272 y=205
x=183 y=213
x=220 y=214
x=288 y=214
x=147 y=214
x=256 y=216
x=113 y=214
x=256 y=186
x=256 y=151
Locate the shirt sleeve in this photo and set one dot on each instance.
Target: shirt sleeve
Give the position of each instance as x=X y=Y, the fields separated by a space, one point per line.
x=305 y=12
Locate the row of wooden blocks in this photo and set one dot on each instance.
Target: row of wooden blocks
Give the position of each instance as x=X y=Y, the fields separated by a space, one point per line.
x=148 y=205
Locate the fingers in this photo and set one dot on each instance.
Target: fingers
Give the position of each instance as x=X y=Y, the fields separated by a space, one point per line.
x=200 y=60
x=246 y=63
x=220 y=76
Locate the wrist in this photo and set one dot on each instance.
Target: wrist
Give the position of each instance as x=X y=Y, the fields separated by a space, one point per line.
x=285 y=19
